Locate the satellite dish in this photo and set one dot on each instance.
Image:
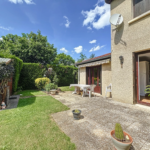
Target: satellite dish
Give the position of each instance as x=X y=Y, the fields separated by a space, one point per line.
x=116 y=20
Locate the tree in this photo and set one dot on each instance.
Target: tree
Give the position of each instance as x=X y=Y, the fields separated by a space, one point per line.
x=31 y=47
x=92 y=56
x=64 y=59
x=82 y=57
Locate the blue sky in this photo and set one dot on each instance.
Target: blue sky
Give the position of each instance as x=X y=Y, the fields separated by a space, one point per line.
x=73 y=26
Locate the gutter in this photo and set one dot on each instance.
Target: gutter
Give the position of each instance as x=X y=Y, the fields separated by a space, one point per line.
x=108 y=1
x=102 y=58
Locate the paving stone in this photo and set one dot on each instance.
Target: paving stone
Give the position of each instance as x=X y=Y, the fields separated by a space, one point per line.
x=99 y=116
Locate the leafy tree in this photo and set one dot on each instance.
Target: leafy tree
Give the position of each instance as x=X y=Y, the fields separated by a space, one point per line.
x=92 y=56
x=64 y=59
x=31 y=47
x=82 y=57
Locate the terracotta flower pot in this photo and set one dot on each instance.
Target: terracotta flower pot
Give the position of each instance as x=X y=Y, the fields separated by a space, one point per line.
x=121 y=145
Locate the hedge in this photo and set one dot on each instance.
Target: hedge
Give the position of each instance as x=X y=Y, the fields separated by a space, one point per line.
x=66 y=74
x=29 y=73
x=18 y=63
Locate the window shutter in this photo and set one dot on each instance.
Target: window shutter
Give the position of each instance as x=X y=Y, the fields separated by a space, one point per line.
x=140 y=7
x=146 y=5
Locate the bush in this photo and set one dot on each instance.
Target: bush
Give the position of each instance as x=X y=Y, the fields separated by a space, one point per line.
x=41 y=82
x=66 y=74
x=18 y=63
x=50 y=86
x=55 y=79
x=29 y=73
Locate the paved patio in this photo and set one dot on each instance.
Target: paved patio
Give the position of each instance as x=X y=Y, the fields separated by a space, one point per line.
x=99 y=115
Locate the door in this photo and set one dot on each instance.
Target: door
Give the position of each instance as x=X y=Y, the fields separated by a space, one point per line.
x=94 y=77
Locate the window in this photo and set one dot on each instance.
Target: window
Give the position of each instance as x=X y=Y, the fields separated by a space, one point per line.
x=140 y=7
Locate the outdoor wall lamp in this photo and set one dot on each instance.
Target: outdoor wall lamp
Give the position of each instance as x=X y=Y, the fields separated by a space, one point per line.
x=121 y=60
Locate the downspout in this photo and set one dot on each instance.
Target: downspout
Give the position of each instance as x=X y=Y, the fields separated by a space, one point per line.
x=78 y=75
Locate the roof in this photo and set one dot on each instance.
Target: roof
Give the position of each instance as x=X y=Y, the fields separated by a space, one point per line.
x=102 y=57
x=5 y=60
x=108 y=1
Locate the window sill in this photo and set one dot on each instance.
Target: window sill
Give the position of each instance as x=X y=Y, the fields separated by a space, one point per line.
x=139 y=17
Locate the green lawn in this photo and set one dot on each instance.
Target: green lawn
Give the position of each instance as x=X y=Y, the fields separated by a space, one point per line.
x=66 y=88
x=30 y=126
x=31 y=93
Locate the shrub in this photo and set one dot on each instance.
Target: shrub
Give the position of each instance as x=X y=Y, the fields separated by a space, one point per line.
x=119 y=132
x=55 y=79
x=50 y=86
x=41 y=82
x=29 y=73
x=18 y=63
x=66 y=74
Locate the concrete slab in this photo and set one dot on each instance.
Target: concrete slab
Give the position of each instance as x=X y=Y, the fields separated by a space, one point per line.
x=99 y=116
x=13 y=102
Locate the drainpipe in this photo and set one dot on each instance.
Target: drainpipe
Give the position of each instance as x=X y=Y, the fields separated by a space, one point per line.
x=78 y=75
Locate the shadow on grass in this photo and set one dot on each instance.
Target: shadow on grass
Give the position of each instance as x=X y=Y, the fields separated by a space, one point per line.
x=26 y=101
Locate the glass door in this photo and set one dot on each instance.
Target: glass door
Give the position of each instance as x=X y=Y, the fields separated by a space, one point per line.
x=94 y=77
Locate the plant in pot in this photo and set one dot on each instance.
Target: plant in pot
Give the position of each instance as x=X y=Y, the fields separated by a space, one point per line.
x=52 y=88
x=147 y=91
x=76 y=114
x=120 y=139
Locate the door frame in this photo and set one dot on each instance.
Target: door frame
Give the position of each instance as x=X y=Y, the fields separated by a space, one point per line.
x=88 y=76
x=137 y=77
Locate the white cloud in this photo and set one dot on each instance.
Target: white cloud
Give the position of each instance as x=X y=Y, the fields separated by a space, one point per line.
x=21 y=1
x=64 y=50
x=4 y=28
x=96 y=48
x=89 y=28
x=1 y=39
x=93 y=41
x=78 y=49
x=103 y=12
x=29 y=1
x=67 y=22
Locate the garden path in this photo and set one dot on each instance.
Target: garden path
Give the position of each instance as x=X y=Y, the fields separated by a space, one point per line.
x=99 y=115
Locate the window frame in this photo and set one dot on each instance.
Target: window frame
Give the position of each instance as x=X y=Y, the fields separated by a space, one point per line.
x=133 y=11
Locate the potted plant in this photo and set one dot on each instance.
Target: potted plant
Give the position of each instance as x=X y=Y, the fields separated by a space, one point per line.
x=52 y=88
x=147 y=91
x=76 y=114
x=120 y=139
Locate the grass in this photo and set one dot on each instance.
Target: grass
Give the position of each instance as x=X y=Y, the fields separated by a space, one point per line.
x=30 y=126
x=66 y=88
x=31 y=93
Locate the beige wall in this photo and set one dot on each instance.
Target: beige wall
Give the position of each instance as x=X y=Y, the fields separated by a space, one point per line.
x=82 y=76
x=128 y=39
x=106 y=78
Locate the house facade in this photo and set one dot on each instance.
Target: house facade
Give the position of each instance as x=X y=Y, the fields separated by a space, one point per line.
x=96 y=71
x=131 y=41
x=129 y=67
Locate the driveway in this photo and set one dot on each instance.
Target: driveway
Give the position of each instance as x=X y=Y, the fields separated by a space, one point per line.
x=99 y=116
